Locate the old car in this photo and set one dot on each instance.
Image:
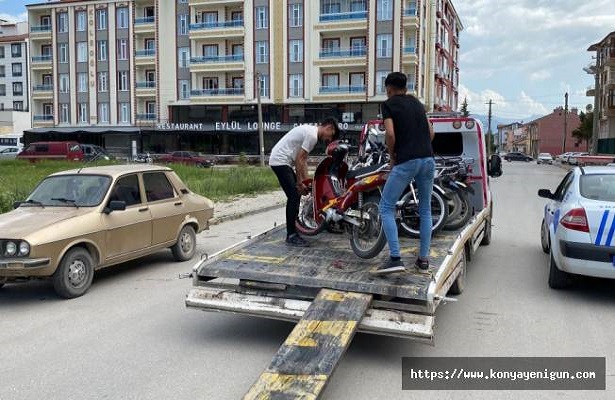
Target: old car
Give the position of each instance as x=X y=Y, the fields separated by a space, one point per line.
x=79 y=221
x=9 y=153
x=185 y=157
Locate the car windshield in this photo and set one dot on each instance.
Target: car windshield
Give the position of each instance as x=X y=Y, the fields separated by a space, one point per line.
x=598 y=187
x=71 y=190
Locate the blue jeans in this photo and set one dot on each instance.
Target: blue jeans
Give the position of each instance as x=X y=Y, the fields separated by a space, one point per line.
x=422 y=170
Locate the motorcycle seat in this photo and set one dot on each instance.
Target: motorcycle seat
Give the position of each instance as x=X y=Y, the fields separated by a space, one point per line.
x=352 y=174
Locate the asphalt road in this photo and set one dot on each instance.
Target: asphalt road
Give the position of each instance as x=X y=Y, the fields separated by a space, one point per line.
x=130 y=336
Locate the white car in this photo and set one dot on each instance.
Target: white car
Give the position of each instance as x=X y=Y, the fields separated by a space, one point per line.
x=578 y=228
x=544 y=158
x=563 y=157
x=572 y=159
x=9 y=153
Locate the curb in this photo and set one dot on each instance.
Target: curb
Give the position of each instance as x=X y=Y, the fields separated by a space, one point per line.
x=231 y=217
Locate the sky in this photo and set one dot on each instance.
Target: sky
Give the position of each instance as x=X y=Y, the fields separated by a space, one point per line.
x=524 y=55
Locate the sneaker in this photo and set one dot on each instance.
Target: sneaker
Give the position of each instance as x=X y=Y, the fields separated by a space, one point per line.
x=389 y=267
x=296 y=241
x=422 y=264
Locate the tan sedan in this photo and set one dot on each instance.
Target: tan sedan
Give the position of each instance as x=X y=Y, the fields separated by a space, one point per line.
x=79 y=221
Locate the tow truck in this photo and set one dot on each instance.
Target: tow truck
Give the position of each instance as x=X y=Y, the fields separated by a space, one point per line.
x=330 y=292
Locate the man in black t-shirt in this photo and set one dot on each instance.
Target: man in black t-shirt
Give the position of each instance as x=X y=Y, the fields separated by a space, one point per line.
x=408 y=139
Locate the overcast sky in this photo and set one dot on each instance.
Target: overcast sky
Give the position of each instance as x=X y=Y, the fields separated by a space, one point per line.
x=522 y=54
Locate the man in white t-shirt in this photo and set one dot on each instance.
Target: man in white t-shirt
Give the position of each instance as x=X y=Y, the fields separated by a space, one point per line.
x=289 y=162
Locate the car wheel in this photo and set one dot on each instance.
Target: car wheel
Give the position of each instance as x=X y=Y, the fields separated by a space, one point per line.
x=74 y=275
x=557 y=279
x=185 y=247
x=545 y=241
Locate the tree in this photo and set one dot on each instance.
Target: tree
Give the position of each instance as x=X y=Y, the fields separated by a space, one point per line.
x=464 y=107
x=584 y=132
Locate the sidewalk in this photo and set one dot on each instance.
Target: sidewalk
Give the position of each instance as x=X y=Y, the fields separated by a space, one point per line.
x=247 y=205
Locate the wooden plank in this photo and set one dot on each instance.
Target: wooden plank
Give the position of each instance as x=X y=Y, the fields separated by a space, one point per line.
x=304 y=363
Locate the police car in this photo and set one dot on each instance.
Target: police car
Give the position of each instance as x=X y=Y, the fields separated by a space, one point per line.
x=578 y=229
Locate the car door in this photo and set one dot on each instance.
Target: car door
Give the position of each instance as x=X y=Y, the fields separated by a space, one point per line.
x=130 y=230
x=166 y=207
x=553 y=209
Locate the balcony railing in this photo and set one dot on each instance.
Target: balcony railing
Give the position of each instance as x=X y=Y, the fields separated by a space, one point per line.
x=217 y=92
x=338 y=53
x=147 y=117
x=145 y=53
x=144 y=20
x=217 y=25
x=410 y=12
x=43 y=117
x=40 y=28
x=146 y=85
x=342 y=89
x=40 y=59
x=42 y=88
x=409 y=50
x=216 y=59
x=342 y=16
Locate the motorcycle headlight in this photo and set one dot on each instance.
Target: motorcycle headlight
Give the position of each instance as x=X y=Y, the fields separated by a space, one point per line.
x=10 y=248
x=24 y=249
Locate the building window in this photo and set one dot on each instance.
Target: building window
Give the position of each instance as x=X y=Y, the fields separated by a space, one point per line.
x=122 y=49
x=380 y=78
x=122 y=80
x=101 y=46
x=238 y=83
x=46 y=50
x=81 y=21
x=48 y=109
x=357 y=80
x=262 y=17
x=17 y=89
x=82 y=79
x=64 y=83
x=103 y=81
x=46 y=20
x=83 y=113
x=210 y=18
x=63 y=53
x=264 y=85
x=210 y=83
x=183 y=57
x=2 y=89
x=358 y=6
x=385 y=46
x=103 y=112
x=64 y=113
x=330 y=80
x=295 y=15
x=62 y=22
x=101 y=19
x=82 y=51
x=124 y=111
x=262 y=52
x=2 y=71
x=295 y=49
x=184 y=89
x=1 y=51
x=122 y=17
x=210 y=50
x=385 y=10
x=17 y=69
x=18 y=105
x=150 y=107
x=295 y=85
x=16 y=50
x=183 y=24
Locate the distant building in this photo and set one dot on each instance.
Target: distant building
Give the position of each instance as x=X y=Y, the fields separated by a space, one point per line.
x=14 y=86
x=546 y=134
x=604 y=93
x=511 y=137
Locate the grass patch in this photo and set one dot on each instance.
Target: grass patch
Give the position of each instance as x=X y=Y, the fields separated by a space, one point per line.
x=18 y=178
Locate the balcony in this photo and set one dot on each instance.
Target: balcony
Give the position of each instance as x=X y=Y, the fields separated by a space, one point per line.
x=216 y=25
x=343 y=16
x=217 y=92
x=342 y=89
x=145 y=25
x=40 y=32
x=150 y=117
x=42 y=59
x=217 y=30
x=42 y=91
x=409 y=50
x=40 y=28
x=228 y=63
x=217 y=59
x=145 y=20
x=410 y=12
x=343 y=53
x=42 y=120
x=145 y=53
x=146 y=85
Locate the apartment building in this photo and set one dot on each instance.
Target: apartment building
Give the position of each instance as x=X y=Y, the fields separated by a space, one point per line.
x=604 y=92
x=14 y=93
x=187 y=74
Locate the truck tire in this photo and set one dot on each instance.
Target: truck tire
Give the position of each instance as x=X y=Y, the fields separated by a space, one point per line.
x=460 y=283
x=370 y=230
x=74 y=275
x=557 y=279
x=464 y=214
x=545 y=240
x=185 y=247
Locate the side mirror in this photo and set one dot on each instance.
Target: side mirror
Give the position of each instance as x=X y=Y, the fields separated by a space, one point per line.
x=115 y=205
x=545 y=193
x=494 y=166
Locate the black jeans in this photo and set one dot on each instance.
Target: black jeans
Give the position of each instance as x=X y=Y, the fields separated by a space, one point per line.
x=288 y=181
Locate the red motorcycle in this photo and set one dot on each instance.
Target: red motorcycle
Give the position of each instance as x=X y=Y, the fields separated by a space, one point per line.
x=347 y=199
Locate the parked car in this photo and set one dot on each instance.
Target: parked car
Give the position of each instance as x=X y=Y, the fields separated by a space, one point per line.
x=79 y=221
x=572 y=158
x=185 y=157
x=577 y=228
x=52 y=151
x=544 y=158
x=563 y=158
x=94 y=152
x=9 y=153
x=517 y=156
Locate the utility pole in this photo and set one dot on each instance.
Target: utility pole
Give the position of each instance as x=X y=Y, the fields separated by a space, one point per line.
x=261 y=139
x=594 y=70
x=565 y=122
x=489 y=134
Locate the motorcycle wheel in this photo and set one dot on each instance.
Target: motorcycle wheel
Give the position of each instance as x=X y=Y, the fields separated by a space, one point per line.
x=409 y=212
x=305 y=223
x=464 y=215
x=368 y=239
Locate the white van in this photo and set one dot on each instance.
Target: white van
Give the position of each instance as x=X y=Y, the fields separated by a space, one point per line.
x=11 y=140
